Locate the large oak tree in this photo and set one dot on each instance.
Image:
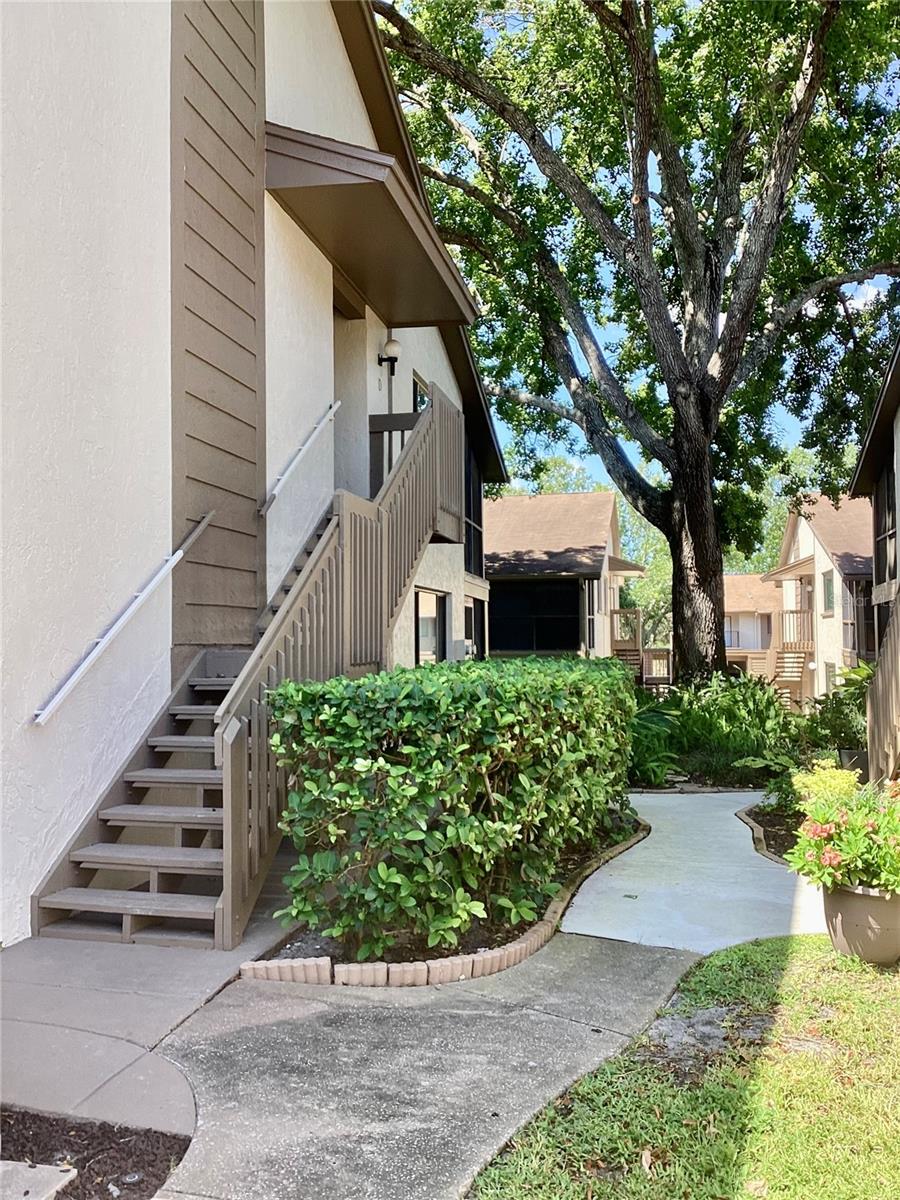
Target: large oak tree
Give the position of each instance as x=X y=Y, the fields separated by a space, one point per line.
x=661 y=206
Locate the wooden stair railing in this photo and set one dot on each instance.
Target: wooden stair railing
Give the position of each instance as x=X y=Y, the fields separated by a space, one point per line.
x=337 y=619
x=883 y=704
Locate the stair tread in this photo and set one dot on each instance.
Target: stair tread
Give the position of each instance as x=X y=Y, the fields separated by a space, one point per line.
x=161 y=814
x=199 y=711
x=181 y=857
x=174 y=777
x=183 y=741
x=151 y=904
x=216 y=683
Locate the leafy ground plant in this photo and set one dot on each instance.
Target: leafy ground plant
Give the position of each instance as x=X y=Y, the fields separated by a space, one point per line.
x=791 y=1093
x=421 y=800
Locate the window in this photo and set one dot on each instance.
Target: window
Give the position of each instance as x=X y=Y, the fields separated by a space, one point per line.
x=420 y=395
x=732 y=632
x=475 y=628
x=830 y=677
x=431 y=626
x=885 y=503
x=590 y=607
x=848 y=613
x=474 y=552
x=828 y=592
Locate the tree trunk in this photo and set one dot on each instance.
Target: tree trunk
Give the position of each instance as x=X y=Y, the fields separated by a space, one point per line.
x=698 y=624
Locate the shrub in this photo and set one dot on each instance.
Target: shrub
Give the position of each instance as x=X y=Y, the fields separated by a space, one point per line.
x=730 y=728
x=851 y=835
x=421 y=799
x=652 y=757
x=838 y=721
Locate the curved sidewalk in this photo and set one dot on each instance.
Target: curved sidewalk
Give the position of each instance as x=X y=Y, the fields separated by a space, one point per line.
x=313 y=1093
x=696 y=883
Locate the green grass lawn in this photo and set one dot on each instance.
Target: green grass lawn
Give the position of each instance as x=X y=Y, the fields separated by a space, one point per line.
x=812 y=1112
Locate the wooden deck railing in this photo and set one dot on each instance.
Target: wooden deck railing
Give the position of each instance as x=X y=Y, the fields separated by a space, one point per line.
x=626 y=628
x=337 y=619
x=796 y=629
x=883 y=703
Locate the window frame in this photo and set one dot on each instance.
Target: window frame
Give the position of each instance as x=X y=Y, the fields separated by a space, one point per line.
x=828 y=584
x=441 y=619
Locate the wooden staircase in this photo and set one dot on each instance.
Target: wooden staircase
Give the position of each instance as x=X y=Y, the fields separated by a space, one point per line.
x=790 y=665
x=148 y=865
x=178 y=849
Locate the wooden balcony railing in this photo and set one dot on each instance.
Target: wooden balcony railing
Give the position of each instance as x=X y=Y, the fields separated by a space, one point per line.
x=796 y=629
x=337 y=619
x=626 y=628
x=883 y=703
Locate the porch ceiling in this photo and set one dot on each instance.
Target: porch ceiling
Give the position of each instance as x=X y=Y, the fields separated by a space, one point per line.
x=363 y=214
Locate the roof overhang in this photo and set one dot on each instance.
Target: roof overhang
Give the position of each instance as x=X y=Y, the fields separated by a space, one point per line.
x=360 y=209
x=791 y=570
x=879 y=440
x=623 y=566
x=480 y=427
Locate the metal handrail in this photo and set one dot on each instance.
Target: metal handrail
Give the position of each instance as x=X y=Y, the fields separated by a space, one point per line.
x=296 y=458
x=43 y=714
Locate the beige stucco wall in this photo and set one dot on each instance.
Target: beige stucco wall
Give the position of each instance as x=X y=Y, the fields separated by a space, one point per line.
x=829 y=629
x=86 y=473
x=441 y=570
x=309 y=82
x=299 y=386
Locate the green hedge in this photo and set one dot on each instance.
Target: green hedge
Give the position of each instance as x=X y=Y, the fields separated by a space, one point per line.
x=421 y=799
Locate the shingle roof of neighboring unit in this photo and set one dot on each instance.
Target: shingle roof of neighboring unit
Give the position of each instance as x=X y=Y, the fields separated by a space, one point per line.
x=845 y=532
x=565 y=534
x=749 y=593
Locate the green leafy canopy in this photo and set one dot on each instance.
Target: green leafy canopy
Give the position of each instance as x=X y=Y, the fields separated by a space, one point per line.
x=727 y=74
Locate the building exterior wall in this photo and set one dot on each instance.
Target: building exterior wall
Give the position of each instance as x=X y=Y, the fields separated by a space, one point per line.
x=441 y=570
x=218 y=400
x=310 y=84
x=86 y=475
x=299 y=386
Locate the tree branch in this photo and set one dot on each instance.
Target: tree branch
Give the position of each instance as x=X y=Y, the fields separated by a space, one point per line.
x=640 y=494
x=763 y=345
x=529 y=400
x=408 y=41
x=768 y=212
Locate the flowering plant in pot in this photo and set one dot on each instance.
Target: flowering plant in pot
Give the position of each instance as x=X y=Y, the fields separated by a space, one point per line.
x=849 y=845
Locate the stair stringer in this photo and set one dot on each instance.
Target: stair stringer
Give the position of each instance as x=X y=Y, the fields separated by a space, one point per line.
x=64 y=873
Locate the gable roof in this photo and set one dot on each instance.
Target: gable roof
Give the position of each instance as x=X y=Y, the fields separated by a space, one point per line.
x=562 y=534
x=845 y=531
x=750 y=593
x=879 y=440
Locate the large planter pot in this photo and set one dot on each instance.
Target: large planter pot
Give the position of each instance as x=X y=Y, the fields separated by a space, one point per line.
x=856 y=760
x=864 y=922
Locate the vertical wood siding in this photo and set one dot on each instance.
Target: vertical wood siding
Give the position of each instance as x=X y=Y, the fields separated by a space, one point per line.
x=218 y=434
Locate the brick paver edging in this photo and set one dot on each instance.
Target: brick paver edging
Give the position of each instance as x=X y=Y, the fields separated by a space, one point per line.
x=439 y=970
x=759 y=835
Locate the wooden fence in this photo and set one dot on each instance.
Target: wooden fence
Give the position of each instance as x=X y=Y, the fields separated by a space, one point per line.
x=884 y=703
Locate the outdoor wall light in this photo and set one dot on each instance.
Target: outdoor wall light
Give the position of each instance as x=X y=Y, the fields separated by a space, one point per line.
x=391 y=354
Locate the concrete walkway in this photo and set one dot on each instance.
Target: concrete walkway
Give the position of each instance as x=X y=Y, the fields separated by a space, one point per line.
x=696 y=883
x=311 y=1093
x=80 y=1020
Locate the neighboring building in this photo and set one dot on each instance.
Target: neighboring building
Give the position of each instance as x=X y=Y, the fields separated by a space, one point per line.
x=236 y=383
x=826 y=620
x=751 y=608
x=877 y=476
x=556 y=572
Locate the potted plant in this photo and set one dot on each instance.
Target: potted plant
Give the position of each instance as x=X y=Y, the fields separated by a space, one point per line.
x=849 y=844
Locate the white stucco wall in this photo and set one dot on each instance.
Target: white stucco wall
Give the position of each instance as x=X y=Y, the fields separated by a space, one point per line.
x=309 y=82
x=351 y=423
x=86 y=458
x=299 y=386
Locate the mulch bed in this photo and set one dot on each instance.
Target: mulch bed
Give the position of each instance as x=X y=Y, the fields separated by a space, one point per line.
x=779 y=829
x=112 y=1161
x=481 y=935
